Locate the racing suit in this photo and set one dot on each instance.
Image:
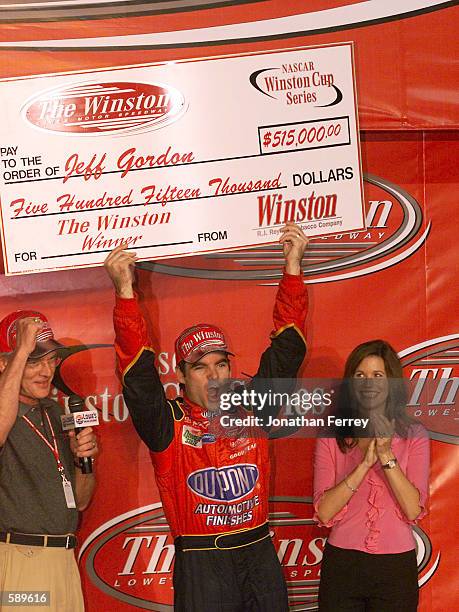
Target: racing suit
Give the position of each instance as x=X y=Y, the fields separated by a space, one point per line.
x=214 y=489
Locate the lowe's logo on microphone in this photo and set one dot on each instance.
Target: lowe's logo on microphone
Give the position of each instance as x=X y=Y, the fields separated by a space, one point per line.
x=228 y=483
x=85 y=418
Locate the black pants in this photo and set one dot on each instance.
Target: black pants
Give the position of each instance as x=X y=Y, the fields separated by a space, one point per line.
x=355 y=581
x=246 y=579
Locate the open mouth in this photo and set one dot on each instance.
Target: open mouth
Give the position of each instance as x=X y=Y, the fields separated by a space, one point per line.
x=212 y=393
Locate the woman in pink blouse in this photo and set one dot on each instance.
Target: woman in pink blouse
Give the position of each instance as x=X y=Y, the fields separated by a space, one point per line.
x=370 y=486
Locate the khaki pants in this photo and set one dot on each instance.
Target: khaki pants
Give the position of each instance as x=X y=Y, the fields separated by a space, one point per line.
x=36 y=568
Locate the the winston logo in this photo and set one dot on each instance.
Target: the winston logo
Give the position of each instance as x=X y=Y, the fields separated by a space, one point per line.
x=104 y=108
x=273 y=209
x=141 y=553
x=395 y=230
x=432 y=368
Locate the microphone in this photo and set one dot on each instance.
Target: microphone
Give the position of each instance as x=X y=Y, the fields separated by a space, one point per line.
x=76 y=405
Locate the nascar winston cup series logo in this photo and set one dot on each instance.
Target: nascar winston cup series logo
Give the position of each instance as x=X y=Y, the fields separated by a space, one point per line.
x=104 y=108
x=130 y=557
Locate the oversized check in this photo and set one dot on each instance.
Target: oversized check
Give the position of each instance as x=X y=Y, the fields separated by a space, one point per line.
x=178 y=158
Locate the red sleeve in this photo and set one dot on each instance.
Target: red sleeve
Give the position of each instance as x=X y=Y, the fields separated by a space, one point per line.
x=283 y=358
x=291 y=306
x=130 y=332
x=143 y=392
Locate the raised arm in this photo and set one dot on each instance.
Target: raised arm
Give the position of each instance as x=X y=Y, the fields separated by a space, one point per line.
x=142 y=387
x=12 y=369
x=283 y=358
x=288 y=345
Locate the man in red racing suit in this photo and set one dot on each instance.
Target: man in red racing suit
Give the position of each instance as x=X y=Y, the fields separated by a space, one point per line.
x=214 y=489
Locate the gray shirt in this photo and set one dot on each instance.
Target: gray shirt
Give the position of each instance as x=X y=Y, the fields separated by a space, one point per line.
x=31 y=495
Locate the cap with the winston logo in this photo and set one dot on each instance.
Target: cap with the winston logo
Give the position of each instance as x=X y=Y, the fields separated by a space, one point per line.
x=195 y=342
x=45 y=337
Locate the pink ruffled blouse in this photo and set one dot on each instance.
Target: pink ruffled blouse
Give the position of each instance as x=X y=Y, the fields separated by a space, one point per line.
x=372 y=521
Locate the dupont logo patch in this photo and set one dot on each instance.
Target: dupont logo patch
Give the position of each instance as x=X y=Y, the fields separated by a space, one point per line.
x=228 y=483
x=104 y=108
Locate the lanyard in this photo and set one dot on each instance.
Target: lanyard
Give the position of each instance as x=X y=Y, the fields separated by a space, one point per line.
x=52 y=447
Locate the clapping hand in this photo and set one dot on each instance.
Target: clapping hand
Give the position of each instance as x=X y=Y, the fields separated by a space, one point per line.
x=384 y=431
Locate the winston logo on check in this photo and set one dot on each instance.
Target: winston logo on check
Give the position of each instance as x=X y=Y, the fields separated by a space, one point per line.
x=104 y=108
x=228 y=483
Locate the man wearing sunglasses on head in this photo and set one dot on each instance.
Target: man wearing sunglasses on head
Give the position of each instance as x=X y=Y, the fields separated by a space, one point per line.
x=42 y=487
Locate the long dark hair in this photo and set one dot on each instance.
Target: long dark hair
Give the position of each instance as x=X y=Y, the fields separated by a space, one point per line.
x=346 y=437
